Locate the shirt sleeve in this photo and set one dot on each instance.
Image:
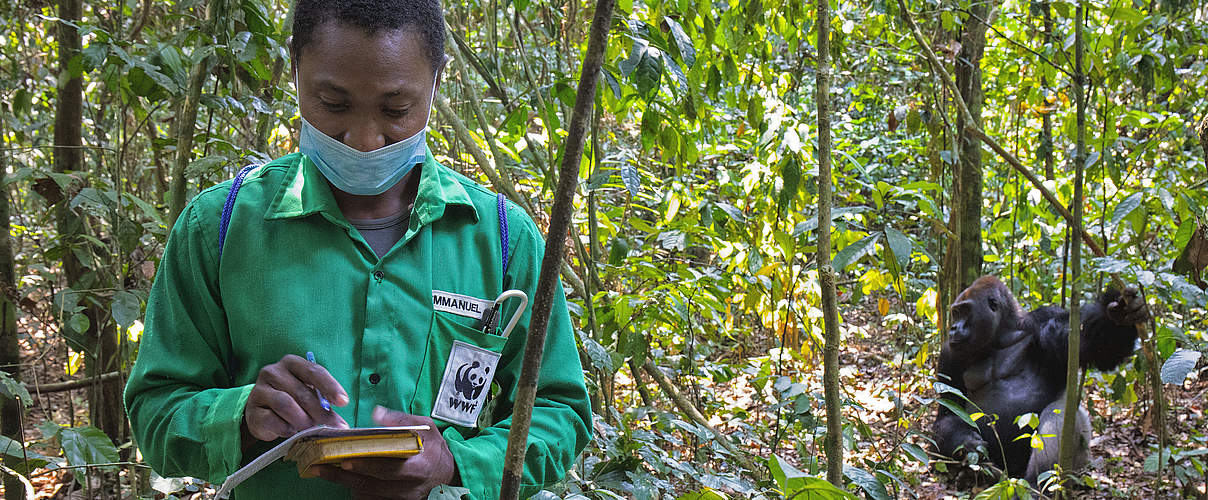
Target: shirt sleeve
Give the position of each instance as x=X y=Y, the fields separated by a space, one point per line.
x=184 y=414
x=561 y=412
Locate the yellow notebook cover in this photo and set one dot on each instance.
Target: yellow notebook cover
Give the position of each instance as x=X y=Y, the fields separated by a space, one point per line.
x=327 y=450
x=335 y=445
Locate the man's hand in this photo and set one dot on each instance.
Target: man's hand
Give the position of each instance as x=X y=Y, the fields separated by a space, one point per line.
x=410 y=478
x=283 y=401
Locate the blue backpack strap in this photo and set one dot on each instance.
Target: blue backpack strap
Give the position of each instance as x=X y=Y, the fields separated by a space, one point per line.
x=503 y=230
x=225 y=220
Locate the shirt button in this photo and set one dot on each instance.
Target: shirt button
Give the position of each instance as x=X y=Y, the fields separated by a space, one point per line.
x=378 y=274
x=374 y=378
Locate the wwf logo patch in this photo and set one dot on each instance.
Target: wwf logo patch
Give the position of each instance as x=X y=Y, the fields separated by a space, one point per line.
x=463 y=387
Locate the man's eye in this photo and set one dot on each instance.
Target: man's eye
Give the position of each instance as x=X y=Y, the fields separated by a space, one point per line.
x=333 y=106
x=395 y=112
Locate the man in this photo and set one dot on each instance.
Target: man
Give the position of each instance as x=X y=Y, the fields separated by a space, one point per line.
x=367 y=252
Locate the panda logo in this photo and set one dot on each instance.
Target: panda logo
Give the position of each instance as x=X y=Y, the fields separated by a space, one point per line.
x=471 y=380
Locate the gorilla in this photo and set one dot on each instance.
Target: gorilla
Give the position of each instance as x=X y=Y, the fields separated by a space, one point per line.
x=1009 y=363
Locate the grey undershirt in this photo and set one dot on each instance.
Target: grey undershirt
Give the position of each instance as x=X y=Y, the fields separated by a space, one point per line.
x=381 y=234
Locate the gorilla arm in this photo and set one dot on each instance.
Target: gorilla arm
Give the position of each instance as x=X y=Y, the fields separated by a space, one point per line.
x=1108 y=332
x=951 y=432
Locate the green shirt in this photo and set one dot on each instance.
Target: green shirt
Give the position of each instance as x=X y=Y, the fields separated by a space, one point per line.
x=295 y=276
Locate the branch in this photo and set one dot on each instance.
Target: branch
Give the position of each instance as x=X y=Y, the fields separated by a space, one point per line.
x=555 y=247
x=72 y=384
x=463 y=135
x=972 y=128
x=1017 y=44
x=688 y=409
x=486 y=166
x=465 y=50
x=1203 y=132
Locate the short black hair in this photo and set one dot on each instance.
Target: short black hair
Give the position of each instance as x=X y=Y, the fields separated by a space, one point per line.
x=424 y=16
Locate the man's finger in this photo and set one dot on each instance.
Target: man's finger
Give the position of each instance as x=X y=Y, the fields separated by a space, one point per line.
x=285 y=405
x=386 y=417
x=317 y=377
x=265 y=425
x=288 y=380
x=381 y=468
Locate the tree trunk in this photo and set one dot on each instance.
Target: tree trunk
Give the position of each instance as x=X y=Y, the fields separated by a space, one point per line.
x=551 y=263
x=968 y=182
x=10 y=351
x=833 y=445
x=1046 y=127
x=1073 y=395
x=100 y=343
x=186 y=123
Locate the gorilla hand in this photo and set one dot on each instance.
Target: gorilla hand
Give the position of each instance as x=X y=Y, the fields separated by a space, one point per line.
x=972 y=451
x=1128 y=309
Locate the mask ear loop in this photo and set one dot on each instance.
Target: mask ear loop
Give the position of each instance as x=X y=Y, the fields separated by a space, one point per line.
x=519 y=310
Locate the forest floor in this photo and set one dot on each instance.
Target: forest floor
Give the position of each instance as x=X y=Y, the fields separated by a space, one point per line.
x=1123 y=437
x=871 y=376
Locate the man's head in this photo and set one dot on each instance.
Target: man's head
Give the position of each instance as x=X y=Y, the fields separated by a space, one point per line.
x=423 y=17
x=367 y=71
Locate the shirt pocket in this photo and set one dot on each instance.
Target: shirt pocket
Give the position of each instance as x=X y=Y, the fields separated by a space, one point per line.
x=446 y=330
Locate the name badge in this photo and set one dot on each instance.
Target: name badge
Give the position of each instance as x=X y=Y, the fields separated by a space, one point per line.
x=461 y=305
x=465 y=384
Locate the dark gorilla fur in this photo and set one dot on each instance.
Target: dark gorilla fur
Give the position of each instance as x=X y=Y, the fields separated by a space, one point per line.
x=1009 y=364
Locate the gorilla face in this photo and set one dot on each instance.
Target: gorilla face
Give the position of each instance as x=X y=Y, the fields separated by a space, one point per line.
x=979 y=313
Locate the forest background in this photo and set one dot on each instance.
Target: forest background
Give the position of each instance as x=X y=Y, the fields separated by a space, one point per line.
x=691 y=267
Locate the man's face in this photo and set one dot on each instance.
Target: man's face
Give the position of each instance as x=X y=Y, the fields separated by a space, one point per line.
x=365 y=91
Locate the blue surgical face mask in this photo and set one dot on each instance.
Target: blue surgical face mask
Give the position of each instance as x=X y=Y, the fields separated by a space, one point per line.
x=360 y=172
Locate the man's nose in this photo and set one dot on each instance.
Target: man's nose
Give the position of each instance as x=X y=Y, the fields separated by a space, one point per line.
x=364 y=138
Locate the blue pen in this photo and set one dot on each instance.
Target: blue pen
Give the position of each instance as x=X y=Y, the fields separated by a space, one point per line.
x=310 y=356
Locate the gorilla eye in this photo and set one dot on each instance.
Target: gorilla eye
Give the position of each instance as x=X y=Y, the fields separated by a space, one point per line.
x=993 y=303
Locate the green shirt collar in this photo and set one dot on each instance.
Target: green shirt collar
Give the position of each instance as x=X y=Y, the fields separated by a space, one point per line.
x=304 y=191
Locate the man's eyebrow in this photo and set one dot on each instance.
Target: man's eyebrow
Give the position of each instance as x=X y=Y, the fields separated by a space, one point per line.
x=401 y=91
x=327 y=84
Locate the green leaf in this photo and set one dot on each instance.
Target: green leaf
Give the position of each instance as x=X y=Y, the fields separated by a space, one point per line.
x=790 y=176
x=631 y=178
x=644 y=67
x=916 y=452
x=650 y=128
x=1179 y=365
x=256 y=18
x=854 y=252
x=734 y=212
x=705 y=494
x=798 y=485
x=612 y=82
x=79 y=323
x=1126 y=207
x=677 y=73
x=205 y=165
x=618 y=251
x=786 y=476
x=900 y=245
x=598 y=354
x=960 y=412
x=17 y=455
x=867 y=481
x=126 y=308
x=10 y=388
x=86 y=445
x=682 y=42
x=443 y=492
x=94 y=55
